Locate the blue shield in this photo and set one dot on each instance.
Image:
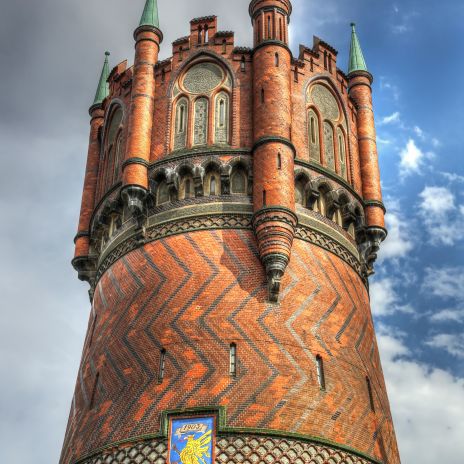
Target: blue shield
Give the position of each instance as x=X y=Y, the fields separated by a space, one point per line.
x=191 y=440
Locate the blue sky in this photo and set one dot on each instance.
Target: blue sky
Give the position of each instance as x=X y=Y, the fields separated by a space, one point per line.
x=52 y=51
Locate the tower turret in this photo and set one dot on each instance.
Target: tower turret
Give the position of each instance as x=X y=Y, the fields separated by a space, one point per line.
x=273 y=153
x=83 y=262
x=135 y=167
x=360 y=90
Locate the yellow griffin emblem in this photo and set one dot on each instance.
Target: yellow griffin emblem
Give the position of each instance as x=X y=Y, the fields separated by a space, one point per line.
x=196 y=450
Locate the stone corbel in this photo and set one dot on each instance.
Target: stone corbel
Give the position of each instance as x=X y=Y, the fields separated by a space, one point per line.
x=86 y=267
x=135 y=201
x=369 y=246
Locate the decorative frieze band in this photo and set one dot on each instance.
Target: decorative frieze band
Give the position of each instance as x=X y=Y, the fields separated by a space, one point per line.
x=209 y=217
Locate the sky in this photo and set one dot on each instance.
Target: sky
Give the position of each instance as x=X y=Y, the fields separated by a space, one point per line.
x=51 y=53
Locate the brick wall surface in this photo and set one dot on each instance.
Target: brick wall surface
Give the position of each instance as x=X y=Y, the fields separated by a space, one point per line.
x=193 y=295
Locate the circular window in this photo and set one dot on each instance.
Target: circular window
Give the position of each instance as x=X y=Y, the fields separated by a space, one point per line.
x=203 y=78
x=325 y=101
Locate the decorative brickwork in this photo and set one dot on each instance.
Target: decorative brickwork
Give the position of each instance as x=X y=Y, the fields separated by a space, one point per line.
x=236 y=449
x=230 y=218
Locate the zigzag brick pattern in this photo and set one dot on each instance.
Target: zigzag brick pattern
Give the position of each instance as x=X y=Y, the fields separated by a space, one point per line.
x=194 y=294
x=245 y=449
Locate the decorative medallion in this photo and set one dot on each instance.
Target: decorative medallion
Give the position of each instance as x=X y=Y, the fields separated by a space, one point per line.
x=191 y=440
x=203 y=78
x=324 y=100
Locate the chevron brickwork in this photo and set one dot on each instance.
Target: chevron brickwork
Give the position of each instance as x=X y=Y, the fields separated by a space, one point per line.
x=230 y=220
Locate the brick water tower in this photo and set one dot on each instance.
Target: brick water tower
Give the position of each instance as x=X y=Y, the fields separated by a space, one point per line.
x=230 y=220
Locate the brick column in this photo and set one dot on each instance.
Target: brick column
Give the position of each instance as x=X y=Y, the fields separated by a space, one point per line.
x=273 y=155
x=135 y=167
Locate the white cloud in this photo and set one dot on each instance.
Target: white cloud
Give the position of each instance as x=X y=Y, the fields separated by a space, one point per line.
x=443 y=220
x=392 y=119
x=412 y=158
x=419 y=132
x=385 y=84
x=385 y=300
x=445 y=282
x=417 y=394
x=452 y=343
x=452 y=176
x=398 y=243
x=446 y=315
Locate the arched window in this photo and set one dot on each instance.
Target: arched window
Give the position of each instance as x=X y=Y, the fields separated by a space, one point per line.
x=212 y=183
x=200 y=131
x=329 y=146
x=314 y=142
x=162 y=193
x=269 y=27
x=200 y=34
x=342 y=152
x=320 y=205
x=300 y=192
x=180 y=132
x=117 y=158
x=186 y=189
x=222 y=118
x=206 y=34
x=238 y=181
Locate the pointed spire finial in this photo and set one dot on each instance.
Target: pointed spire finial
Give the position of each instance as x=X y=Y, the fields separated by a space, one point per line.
x=357 y=61
x=103 y=89
x=150 y=14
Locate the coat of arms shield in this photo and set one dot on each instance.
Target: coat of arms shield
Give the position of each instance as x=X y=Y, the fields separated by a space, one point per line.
x=191 y=440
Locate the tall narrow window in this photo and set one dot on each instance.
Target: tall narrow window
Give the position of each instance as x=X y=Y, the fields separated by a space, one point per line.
x=162 y=195
x=206 y=34
x=342 y=153
x=279 y=161
x=281 y=30
x=258 y=32
x=162 y=366
x=224 y=46
x=264 y=198
x=200 y=34
x=233 y=360
x=314 y=144
x=262 y=95
x=94 y=391
x=243 y=64
x=238 y=181
x=269 y=27
x=181 y=53
x=330 y=63
x=117 y=158
x=369 y=391
x=186 y=187
x=180 y=135
x=163 y=76
x=276 y=58
x=329 y=148
x=212 y=186
x=200 y=135
x=320 y=372
x=221 y=133
x=325 y=60
x=300 y=193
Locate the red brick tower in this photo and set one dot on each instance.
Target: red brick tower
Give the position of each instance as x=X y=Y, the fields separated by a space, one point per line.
x=230 y=220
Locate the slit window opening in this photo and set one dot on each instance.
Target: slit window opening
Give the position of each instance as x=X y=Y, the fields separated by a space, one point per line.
x=320 y=372
x=233 y=360
x=279 y=161
x=369 y=391
x=222 y=113
x=162 y=366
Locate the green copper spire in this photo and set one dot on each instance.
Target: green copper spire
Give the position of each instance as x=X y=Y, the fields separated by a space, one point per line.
x=150 y=14
x=103 y=89
x=357 y=61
